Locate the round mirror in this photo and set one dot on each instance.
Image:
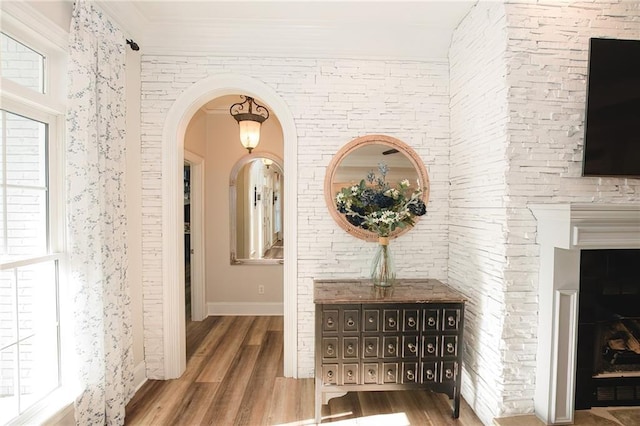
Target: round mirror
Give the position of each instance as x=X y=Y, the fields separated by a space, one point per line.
x=255 y=198
x=374 y=161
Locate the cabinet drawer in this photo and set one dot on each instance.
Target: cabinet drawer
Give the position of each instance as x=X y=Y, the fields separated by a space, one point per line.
x=449 y=346
x=390 y=320
x=451 y=319
x=449 y=371
x=390 y=371
x=430 y=346
x=370 y=347
x=429 y=372
x=410 y=320
x=330 y=347
x=431 y=320
x=330 y=320
x=350 y=374
x=390 y=347
x=350 y=320
x=410 y=346
x=370 y=373
x=330 y=374
x=410 y=372
x=350 y=346
x=371 y=320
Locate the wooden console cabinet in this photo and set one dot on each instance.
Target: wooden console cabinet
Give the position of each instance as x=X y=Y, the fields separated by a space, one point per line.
x=406 y=337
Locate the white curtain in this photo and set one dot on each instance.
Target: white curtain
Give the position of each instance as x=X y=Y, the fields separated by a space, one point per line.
x=96 y=216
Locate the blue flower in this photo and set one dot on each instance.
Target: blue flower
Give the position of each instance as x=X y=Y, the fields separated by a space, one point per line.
x=376 y=206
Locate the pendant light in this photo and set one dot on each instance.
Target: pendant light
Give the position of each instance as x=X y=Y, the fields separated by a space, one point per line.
x=250 y=115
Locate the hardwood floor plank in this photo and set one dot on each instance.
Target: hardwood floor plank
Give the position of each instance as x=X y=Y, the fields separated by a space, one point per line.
x=194 y=404
x=256 y=399
x=229 y=395
x=163 y=406
x=276 y=323
x=235 y=377
x=198 y=332
x=225 y=351
x=258 y=331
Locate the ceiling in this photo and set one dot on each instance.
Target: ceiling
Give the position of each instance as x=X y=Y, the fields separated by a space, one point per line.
x=417 y=30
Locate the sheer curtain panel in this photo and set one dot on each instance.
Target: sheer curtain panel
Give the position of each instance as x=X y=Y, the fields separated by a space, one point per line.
x=96 y=218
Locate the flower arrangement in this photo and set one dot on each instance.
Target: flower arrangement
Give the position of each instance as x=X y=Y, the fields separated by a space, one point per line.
x=376 y=206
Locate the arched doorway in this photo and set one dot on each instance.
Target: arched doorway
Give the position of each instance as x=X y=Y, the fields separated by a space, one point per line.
x=177 y=119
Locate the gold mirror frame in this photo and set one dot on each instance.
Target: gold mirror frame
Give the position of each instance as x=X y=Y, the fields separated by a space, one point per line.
x=348 y=149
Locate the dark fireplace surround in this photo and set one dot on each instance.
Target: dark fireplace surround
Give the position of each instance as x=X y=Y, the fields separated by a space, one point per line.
x=608 y=356
x=568 y=378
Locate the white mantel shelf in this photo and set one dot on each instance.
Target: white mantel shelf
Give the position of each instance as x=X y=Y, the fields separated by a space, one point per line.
x=564 y=230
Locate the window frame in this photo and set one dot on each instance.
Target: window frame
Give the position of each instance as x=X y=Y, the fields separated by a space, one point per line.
x=49 y=108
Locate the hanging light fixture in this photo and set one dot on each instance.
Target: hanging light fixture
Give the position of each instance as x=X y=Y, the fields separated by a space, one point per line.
x=267 y=162
x=249 y=121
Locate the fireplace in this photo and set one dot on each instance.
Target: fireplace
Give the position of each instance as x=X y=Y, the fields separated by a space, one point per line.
x=566 y=233
x=608 y=357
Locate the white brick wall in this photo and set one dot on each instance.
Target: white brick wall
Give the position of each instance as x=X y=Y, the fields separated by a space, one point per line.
x=332 y=102
x=518 y=87
x=477 y=232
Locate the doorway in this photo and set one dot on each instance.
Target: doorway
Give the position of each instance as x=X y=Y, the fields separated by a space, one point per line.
x=194 y=251
x=190 y=100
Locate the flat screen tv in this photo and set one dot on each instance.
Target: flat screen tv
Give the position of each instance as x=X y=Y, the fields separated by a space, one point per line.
x=612 y=120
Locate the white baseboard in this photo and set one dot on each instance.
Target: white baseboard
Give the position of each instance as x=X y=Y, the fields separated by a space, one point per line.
x=139 y=376
x=244 y=309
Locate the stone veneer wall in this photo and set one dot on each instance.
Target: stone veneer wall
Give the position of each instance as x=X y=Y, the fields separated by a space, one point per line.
x=544 y=63
x=332 y=102
x=477 y=217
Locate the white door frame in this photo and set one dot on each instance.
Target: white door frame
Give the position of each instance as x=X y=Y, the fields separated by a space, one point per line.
x=177 y=120
x=198 y=292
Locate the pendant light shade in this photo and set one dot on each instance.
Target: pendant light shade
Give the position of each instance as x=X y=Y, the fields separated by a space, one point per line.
x=249 y=121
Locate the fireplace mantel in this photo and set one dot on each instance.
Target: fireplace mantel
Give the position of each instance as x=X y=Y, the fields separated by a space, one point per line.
x=563 y=230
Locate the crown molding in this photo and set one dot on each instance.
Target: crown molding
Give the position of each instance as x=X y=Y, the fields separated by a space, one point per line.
x=39 y=25
x=128 y=17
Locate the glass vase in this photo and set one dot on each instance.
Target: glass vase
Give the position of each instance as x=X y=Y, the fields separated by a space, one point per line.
x=383 y=273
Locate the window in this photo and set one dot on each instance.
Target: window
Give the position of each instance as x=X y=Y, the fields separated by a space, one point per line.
x=21 y=64
x=31 y=229
x=29 y=323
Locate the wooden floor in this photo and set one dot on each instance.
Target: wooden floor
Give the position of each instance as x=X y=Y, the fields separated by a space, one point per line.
x=234 y=377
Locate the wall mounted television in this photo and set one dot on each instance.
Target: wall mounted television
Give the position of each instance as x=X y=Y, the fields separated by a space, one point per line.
x=612 y=119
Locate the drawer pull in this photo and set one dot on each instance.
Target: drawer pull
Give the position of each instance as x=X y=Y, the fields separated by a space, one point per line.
x=431 y=321
x=448 y=373
x=451 y=321
x=392 y=322
x=412 y=348
x=350 y=322
x=450 y=348
x=411 y=321
x=390 y=374
x=372 y=373
x=330 y=350
x=350 y=374
x=370 y=348
x=410 y=375
x=429 y=375
x=371 y=320
x=391 y=348
x=330 y=374
x=330 y=322
x=350 y=349
x=430 y=348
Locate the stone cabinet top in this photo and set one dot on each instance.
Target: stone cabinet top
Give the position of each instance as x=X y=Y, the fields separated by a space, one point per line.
x=404 y=291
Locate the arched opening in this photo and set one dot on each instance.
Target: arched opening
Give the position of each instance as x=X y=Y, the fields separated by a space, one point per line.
x=177 y=119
